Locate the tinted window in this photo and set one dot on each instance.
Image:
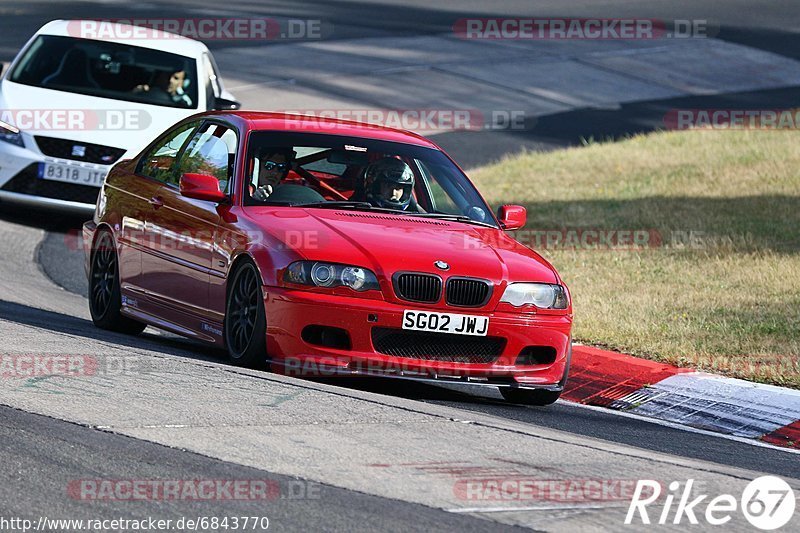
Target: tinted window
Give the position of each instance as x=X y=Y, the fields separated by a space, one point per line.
x=211 y=151
x=158 y=162
x=109 y=70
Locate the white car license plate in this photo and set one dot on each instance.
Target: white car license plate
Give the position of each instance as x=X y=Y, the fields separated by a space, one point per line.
x=446 y=323
x=71 y=174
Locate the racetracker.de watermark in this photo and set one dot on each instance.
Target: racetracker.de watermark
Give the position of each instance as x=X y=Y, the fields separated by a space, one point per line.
x=733 y=119
x=336 y=366
x=75 y=119
x=517 y=488
x=30 y=365
x=190 y=490
x=419 y=120
x=602 y=239
x=173 y=241
x=203 y=29
x=587 y=239
x=593 y=239
x=603 y=29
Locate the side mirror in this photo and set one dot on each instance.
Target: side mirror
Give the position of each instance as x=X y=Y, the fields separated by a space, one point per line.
x=512 y=216
x=223 y=104
x=201 y=187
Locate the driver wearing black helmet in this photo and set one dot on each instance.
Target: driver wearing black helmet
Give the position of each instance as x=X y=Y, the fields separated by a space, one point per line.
x=389 y=184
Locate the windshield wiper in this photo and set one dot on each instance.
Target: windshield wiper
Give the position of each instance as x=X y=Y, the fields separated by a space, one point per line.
x=279 y=203
x=366 y=206
x=346 y=204
x=337 y=205
x=456 y=218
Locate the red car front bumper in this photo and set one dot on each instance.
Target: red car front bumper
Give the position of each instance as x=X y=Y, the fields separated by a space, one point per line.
x=290 y=311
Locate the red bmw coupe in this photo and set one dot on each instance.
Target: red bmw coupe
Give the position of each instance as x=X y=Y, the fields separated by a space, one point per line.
x=326 y=247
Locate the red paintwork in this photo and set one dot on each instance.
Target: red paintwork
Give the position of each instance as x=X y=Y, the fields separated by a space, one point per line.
x=512 y=217
x=176 y=254
x=201 y=187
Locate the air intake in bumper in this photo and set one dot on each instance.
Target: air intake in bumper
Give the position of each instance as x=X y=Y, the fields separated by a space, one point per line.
x=437 y=346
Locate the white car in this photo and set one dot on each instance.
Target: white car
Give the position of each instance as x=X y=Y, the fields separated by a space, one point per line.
x=71 y=107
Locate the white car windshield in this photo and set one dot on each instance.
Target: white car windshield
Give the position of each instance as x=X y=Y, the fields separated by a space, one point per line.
x=109 y=70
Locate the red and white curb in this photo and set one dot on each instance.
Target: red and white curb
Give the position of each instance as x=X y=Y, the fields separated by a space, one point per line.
x=685 y=397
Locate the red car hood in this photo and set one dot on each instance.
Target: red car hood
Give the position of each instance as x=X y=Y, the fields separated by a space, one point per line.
x=388 y=243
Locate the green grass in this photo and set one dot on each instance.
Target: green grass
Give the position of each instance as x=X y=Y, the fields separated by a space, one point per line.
x=729 y=300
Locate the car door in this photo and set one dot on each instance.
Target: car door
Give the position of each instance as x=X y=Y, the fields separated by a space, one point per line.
x=179 y=273
x=145 y=182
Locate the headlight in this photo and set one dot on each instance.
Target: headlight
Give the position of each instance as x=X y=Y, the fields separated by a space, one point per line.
x=10 y=134
x=319 y=274
x=542 y=295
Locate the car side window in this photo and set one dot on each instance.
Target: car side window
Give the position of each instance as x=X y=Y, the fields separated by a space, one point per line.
x=211 y=151
x=158 y=162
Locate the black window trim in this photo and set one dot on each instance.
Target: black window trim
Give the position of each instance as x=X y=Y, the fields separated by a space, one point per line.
x=219 y=122
x=164 y=136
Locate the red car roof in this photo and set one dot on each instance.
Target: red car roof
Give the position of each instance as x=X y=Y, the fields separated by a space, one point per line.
x=263 y=120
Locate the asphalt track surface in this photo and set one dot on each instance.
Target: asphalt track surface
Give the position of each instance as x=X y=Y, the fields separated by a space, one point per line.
x=42 y=454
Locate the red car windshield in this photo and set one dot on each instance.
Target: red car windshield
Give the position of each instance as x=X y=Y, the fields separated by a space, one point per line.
x=300 y=168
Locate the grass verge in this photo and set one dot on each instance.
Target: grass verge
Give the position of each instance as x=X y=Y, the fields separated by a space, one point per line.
x=716 y=286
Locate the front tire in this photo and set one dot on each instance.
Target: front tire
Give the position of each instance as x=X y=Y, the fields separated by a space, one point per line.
x=105 y=300
x=245 y=318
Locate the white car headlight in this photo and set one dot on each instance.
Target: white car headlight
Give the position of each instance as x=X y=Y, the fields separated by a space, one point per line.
x=542 y=295
x=10 y=134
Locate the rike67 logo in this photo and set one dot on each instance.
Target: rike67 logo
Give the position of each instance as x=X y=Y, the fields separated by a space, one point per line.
x=767 y=502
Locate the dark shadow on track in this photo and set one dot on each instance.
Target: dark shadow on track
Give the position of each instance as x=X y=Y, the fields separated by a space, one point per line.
x=60 y=323
x=41 y=218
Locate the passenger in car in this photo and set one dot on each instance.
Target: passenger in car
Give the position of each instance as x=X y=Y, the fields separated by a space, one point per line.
x=389 y=184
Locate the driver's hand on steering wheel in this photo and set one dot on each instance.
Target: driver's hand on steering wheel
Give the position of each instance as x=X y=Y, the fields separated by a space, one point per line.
x=262 y=193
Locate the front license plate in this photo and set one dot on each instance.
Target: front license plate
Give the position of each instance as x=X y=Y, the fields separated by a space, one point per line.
x=446 y=323
x=71 y=174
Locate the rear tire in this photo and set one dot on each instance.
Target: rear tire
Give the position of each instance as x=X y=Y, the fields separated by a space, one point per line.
x=105 y=300
x=245 y=318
